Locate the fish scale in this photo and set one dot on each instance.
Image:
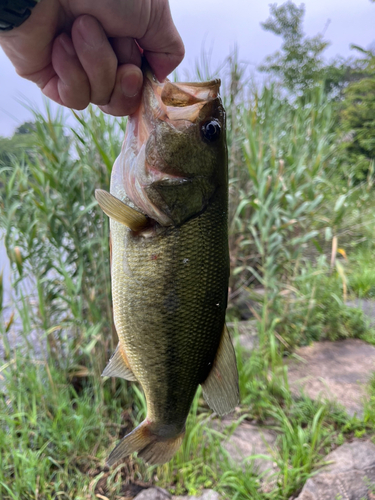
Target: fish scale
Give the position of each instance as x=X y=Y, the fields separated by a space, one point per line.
x=194 y=327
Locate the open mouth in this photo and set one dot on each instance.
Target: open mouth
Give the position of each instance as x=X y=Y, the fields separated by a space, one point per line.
x=179 y=106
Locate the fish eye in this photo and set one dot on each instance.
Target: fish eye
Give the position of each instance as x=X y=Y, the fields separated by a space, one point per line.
x=211 y=131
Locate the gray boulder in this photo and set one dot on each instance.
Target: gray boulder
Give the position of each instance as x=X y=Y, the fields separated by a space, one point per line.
x=206 y=495
x=350 y=474
x=367 y=306
x=153 y=494
x=335 y=371
x=249 y=440
x=160 y=494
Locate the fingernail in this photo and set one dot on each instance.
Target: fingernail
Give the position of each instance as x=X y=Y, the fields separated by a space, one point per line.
x=67 y=45
x=131 y=84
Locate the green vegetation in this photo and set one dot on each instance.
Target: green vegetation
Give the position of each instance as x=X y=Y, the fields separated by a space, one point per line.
x=299 y=64
x=357 y=118
x=301 y=225
x=362 y=274
x=16 y=147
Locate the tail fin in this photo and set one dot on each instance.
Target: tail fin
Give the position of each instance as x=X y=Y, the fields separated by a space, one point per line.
x=153 y=449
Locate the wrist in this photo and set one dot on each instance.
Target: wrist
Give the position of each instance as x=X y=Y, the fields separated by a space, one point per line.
x=13 y=13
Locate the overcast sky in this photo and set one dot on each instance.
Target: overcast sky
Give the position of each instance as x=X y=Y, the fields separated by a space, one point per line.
x=220 y=24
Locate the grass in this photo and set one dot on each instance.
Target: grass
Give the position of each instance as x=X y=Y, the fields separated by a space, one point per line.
x=56 y=431
x=50 y=432
x=317 y=307
x=362 y=273
x=305 y=428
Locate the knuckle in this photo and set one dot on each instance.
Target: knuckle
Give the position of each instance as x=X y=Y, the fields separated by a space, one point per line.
x=74 y=101
x=100 y=101
x=79 y=106
x=101 y=96
x=119 y=108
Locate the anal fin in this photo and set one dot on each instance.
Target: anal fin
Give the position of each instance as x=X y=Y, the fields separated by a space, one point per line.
x=119 y=211
x=220 y=389
x=117 y=367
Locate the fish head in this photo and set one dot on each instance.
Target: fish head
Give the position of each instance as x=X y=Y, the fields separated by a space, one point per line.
x=174 y=157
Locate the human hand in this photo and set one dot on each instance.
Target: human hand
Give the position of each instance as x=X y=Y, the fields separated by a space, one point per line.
x=82 y=51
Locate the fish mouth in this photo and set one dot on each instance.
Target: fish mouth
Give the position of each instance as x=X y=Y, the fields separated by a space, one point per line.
x=168 y=104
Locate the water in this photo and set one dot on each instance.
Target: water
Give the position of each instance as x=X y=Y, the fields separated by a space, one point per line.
x=6 y=269
x=17 y=337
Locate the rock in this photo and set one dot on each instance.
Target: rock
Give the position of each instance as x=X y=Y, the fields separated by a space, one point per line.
x=153 y=494
x=248 y=440
x=335 y=370
x=367 y=306
x=351 y=476
x=243 y=303
x=206 y=495
x=160 y=494
x=247 y=334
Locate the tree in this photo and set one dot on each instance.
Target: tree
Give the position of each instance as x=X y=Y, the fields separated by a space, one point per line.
x=299 y=64
x=25 y=128
x=358 y=116
x=20 y=143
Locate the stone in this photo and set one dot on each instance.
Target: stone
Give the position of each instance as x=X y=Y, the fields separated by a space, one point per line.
x=335 y=371
x=350 y=476
x=245 y=304
x=153 y=494
x=247 y=334
x=367 y=306
x=248 y=440
x=160 y=494
x=206 y=495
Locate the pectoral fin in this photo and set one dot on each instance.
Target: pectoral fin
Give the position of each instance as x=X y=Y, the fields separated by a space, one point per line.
x=220 y=389
x=117 y=366
x=119 y=211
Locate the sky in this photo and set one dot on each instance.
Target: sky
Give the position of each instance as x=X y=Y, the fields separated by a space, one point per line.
x=219 y=24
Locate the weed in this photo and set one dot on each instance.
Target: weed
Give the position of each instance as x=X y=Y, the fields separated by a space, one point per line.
x=362 y=273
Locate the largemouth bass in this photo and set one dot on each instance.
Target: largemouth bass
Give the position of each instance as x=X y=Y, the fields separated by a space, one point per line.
x=168 y=205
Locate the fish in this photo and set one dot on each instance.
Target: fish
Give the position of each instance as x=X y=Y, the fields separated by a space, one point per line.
x=168 y=210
